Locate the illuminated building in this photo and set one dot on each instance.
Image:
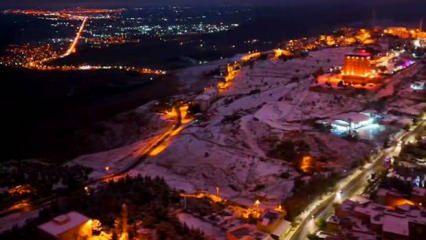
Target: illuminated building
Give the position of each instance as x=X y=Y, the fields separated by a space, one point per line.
x=357 y=68
x=418 y=86
x=352 y=121
x=70 y=226
x=419 y=43
x=381 y=222
x=307 y=164
x=270 y=220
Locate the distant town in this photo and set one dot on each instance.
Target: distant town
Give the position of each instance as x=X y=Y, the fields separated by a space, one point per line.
x=321 y=137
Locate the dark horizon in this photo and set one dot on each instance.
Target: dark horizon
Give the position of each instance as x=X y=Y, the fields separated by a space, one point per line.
x=141 y=3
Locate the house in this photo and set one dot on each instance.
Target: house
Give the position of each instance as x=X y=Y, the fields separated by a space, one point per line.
x=269 y=220
x=245 y=232
x=205 y=99
x=352 y=121
x=360 y=216
x=69 y=226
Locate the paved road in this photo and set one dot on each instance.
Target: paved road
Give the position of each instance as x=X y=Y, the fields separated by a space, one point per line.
x=350 y=186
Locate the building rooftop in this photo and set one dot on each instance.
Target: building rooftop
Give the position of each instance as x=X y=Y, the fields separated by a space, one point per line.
x=396 y=224
x=352 y=117
x=363 y=235
x=246 y=231
x=63 y=223
x=359 y=54
x=417 y=191
x=348 y=205
x=392 y=220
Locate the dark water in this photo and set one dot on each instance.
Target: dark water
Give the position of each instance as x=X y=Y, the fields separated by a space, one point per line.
x=39 y=117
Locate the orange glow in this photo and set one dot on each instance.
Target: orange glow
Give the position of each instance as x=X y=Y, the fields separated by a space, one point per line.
x=279 y=208
x=233 y=69
x=212 y=197
x=170 y=113
x=330 y=41
x=20 y=190
x=333 y=80
x=168 y=136
x=86 y=229
x=358 y=66
x=73 y=47
x=401 y=202
x=250 y=56
x=165 y=144
x=307 y=164
x=349 y=41
x=23 y=205
x=364 y=37
x=281 y=52
x=159 y=149
x=405 y=33
x=67 y=14
x=240 y=211
x=174 y=113
x=252 y=212
x=177 y=131
x=400 y=32
x=359 y=71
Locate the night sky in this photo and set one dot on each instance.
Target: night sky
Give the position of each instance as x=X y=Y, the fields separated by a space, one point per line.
x=105 y=3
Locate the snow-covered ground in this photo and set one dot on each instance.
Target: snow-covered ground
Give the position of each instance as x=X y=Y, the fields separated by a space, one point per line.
x=211 y=232
x=271 y=99
x=16 y=219
x=117 y=159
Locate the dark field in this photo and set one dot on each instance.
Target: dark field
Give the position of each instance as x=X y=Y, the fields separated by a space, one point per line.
x=43 y=110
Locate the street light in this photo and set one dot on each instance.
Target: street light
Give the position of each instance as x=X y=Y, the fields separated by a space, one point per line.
x=339 y=195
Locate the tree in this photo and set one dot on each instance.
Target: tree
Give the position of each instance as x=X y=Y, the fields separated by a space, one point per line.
x=285 y=150
x=321 y=223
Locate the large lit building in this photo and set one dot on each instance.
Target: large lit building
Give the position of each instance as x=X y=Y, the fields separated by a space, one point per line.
x=357 y=68
x=352 y=121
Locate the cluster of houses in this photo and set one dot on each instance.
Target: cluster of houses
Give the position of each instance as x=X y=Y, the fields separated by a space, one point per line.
x=267 y=227
x=361 y=218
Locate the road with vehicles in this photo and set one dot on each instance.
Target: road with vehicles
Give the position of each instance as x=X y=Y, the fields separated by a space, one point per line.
x=352 y=185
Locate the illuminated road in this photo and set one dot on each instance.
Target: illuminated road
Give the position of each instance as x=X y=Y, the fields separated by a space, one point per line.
x=157 y=146
x=350 y=186
x=21 y=206
x=41 y=64
x=73 y=47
